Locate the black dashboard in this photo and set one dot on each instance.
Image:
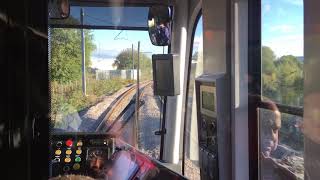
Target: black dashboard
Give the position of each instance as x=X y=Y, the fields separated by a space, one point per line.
x=80 y=153
x=102 y=156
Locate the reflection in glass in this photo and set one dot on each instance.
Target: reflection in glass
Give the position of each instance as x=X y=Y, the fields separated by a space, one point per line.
x=281 y=145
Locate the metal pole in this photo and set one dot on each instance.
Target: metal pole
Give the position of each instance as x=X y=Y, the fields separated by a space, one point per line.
x=83 y=69
x=163 y=127
x=132 y=62
x=135 y=130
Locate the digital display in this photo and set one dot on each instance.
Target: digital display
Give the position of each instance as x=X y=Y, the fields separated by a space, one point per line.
x=208 y=101
x=162 y=74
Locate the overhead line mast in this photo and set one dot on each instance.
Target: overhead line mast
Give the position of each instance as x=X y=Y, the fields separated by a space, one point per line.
x=83 y=65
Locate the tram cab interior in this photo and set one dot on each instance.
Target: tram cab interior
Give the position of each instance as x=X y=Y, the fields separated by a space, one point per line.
x=150 y=89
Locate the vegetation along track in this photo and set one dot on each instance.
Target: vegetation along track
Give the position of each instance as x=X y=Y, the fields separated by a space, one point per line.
x=118 y=109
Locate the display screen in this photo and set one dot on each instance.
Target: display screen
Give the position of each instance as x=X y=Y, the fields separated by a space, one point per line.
x=162 y=74
x=208 y=101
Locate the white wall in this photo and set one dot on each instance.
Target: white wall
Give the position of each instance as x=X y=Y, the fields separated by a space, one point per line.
x=174 y=114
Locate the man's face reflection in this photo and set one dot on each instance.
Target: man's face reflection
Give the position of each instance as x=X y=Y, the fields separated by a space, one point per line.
x=271 y=123
x=97 y=164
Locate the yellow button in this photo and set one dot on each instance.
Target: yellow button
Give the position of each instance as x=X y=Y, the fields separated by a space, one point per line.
x=67 y=160
x=68 y=151
x=58 y=152
x=76 y=166
x=78 y=151
x=79 y=143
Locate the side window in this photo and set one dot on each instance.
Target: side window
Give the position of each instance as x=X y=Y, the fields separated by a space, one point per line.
x=191 y=155
x=280 y=113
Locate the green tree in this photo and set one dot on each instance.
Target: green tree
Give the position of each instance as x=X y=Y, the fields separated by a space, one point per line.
x=124 y=60
x=66 y=53
x=289 y=70
x=290 y=75
x=269 y=73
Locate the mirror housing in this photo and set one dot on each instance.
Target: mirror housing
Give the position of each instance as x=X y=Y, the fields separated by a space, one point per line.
x=159 y=25
x=58 y=9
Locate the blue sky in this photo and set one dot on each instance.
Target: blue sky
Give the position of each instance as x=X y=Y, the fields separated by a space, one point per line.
x=282 y=26
x=111 y=42
x=198 y=36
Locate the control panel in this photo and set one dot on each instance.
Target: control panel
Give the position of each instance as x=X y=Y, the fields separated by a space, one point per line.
x=79 y=154
x=101 y=156
x=212 y=136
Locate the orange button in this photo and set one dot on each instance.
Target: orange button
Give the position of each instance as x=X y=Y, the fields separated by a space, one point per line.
x=76 y=166
x=79 y=151
x=58 y=152
x=68 y=151
x=67 y=160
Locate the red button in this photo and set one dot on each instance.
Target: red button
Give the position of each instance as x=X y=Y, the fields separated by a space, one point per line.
x=69 y=142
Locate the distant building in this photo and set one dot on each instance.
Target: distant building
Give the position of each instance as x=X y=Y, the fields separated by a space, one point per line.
x=123 y=74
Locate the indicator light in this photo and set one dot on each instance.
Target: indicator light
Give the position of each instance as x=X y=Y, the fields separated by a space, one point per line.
x=66 y=168
x=69 y=142
x=59 y=144
x=79 y=143
x=68 y=151
x=76 y=166
x=78 y=159
x=58 y=152
x=67 y=160
x=79 y=151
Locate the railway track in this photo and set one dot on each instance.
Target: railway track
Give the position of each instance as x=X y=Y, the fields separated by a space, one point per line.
x=121 y=110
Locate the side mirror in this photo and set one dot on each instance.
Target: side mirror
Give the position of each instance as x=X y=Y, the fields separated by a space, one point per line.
x=159 y=24
x=58 y=9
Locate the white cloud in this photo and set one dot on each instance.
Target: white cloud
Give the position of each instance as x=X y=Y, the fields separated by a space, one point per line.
x=295 y=2
x=286 y=45
x=284 y=28
x=102 y=63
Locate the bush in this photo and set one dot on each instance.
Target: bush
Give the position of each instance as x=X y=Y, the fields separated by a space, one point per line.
x=68 y=98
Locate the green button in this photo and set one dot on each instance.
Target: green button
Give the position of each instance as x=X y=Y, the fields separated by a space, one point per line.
x=78 y=159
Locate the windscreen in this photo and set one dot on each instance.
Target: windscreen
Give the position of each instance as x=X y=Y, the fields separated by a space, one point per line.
x=95 y=73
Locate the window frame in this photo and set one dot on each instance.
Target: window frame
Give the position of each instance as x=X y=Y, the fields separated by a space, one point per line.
x=194 y=28
x=255 y=88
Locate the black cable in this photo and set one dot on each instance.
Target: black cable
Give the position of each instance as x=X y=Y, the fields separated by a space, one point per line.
x=161 y=107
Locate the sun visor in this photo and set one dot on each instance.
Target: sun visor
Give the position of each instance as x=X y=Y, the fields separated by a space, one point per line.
x=104 y=18
x=214 y=36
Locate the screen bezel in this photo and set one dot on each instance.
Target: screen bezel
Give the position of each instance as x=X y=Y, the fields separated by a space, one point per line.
x=209 y=89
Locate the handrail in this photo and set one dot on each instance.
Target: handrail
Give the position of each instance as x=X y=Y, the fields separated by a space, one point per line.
x=293 y=110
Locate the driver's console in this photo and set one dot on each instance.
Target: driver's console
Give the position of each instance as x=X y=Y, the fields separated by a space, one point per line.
x=102 y=156
x=80 y=154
